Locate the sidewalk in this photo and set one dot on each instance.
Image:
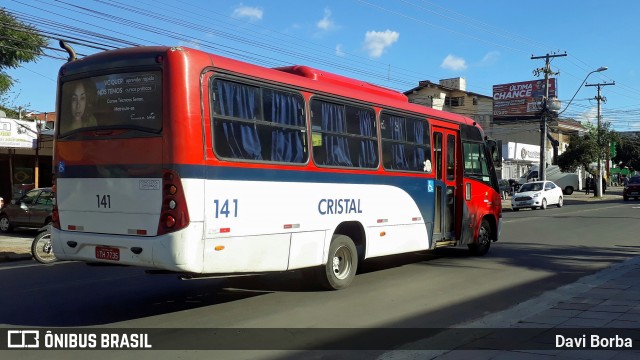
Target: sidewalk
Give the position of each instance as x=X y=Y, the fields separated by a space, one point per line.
x=16 y=246
x=606 y=303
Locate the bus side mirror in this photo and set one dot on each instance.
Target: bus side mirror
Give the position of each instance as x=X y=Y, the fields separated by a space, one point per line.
x=495 y=153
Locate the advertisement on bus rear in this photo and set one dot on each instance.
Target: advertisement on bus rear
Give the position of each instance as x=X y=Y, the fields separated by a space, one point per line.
x=123 y=100
x=521 y=99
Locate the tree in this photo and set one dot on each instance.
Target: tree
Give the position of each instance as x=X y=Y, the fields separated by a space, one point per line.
x=583 y=151
x=19 y=43
x=628 y=152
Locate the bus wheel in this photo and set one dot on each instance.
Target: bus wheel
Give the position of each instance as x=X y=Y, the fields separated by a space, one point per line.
x=341 y=266
x=481 y=247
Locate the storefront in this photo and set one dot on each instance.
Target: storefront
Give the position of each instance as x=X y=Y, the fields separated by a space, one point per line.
x=517 y=158
x=25 y=156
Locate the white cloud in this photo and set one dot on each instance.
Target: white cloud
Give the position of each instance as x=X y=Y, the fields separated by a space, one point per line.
x=193 y=43
x=339 y=50
x=253 y=13
x=376 y=42
x=452 y=62
x=490 y=58
x=326 y=23
x=590 y=116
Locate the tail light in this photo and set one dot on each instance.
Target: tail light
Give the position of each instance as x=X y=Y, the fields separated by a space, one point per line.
x=174 y=215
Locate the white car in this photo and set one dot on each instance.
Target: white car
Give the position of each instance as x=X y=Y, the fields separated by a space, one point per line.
x=537 y=194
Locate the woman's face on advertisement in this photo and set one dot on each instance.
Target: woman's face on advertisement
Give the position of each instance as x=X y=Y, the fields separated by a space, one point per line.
x=78 y=102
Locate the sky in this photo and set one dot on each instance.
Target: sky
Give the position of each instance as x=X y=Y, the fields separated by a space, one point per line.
x=392 y=43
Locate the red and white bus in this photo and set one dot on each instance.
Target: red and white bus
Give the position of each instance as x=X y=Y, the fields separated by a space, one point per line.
x=174 y=159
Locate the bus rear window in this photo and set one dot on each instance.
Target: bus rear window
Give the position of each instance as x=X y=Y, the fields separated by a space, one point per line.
x=116 y=101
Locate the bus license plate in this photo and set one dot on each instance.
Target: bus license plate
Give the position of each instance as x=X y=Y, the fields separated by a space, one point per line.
x=107 y=253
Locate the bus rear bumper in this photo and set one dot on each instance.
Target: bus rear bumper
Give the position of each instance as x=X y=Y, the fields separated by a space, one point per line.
x=180 y=251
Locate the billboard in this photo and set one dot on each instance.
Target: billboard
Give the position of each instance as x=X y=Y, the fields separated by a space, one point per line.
x=517 y=151
x=521 y=99
x=17 y=133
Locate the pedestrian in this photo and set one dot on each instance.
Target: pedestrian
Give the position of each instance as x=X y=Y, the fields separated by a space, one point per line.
x=625 y=181
x=604 y=185
x=587 y=184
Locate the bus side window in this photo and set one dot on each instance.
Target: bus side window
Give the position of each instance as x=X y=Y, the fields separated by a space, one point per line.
x=405 y=143
x=343 y=135
x=256 y=123
x=287 y=135
x=239 y=101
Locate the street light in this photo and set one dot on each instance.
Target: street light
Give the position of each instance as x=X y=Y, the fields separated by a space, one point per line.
x=601 y=68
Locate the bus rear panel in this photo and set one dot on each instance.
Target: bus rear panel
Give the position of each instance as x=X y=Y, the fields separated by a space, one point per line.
x=118 y=198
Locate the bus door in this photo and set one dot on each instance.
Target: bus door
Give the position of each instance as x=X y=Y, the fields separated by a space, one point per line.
x=446 y=170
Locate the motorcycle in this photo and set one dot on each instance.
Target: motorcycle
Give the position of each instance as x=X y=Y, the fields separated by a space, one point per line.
x=41 y=248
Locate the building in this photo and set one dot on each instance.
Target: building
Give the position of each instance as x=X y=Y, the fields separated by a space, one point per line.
x=26 y=153
x=520 y=139
x=451 y=95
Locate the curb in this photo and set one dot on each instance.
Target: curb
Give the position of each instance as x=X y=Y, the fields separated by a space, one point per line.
x=8 y=256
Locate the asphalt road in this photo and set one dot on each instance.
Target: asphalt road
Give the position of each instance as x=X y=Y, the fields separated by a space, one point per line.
x=538 y=251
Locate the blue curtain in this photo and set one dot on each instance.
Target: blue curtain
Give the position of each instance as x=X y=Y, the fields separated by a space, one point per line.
x=398 y=154
x=419 y=152
x=336 y=147
x=286 y=145
x=367 y=157
x=240 y=101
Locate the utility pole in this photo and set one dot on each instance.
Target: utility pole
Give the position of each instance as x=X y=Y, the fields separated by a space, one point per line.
x=599 y=98
x=542 y=169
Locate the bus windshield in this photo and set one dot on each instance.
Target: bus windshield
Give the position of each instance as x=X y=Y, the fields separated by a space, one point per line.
x=116 y=101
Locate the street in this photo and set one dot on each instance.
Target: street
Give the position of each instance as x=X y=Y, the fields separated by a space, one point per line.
x=538 y=251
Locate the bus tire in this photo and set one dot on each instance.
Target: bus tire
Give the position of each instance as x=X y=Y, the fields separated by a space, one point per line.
x=568 y=190
x=482 y=245
x=341 y=266
x=41 y=248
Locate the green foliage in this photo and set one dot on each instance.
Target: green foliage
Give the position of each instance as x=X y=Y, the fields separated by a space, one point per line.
x=19 y=43
x=628 y=152
x=584 y=150
x=12 y=114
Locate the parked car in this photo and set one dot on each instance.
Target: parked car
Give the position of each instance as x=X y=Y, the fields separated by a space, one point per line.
x=632 y=189
x=537 y=194
x=33 y=210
